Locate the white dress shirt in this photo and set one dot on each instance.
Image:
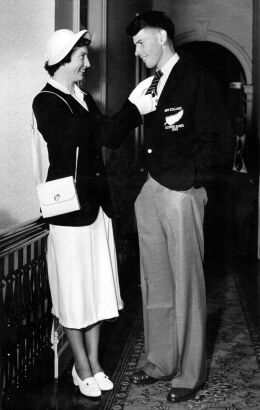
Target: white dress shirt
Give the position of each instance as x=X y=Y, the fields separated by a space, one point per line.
x=166 y=69
x=143 y=86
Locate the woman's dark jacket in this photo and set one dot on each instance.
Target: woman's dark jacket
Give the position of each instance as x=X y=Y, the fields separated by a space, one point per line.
x=65 y=124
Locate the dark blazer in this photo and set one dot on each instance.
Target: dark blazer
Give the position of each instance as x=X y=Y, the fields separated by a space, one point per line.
x=188 y=139
x=65 y=124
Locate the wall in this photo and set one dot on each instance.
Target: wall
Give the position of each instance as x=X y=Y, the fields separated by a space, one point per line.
x=25 y=26
x=228 y=23
x=121 y=60
x=93 y=17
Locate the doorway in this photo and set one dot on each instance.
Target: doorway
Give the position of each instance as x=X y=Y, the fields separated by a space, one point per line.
x=226 y=69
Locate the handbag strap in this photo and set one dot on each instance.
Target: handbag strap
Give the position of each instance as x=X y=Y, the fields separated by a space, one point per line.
x=63 y=99
x=76 y=165
x=77 y=149
x=36 y=153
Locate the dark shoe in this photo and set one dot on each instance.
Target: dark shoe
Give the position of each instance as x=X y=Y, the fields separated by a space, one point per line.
x=179 y=394
x=140 y=377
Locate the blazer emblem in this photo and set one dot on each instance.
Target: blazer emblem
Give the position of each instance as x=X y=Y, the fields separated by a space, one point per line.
x=171 y=120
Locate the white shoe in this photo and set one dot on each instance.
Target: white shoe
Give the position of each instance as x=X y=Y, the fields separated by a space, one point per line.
x=89 y=387
x=103 y=381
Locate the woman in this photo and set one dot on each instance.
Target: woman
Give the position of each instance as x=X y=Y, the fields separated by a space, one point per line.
x=81 y=255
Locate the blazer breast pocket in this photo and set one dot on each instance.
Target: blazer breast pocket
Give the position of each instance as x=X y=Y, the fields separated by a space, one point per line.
x=173 y=118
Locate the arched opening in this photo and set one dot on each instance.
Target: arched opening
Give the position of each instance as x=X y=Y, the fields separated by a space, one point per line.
x=225 y=67
x=232 y=77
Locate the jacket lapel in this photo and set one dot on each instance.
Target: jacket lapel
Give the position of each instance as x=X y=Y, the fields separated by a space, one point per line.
x=171 y=82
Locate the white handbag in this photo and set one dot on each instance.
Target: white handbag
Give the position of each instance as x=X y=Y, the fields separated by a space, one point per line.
x=58 y=196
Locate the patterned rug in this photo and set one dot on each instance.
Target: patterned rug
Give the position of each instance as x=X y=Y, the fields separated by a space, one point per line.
x=233 y=351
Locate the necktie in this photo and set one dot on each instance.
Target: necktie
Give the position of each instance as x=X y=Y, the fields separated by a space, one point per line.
x=153 y=86
x=238 y=156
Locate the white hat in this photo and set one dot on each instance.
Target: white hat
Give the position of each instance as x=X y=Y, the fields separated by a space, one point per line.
x=61 y=43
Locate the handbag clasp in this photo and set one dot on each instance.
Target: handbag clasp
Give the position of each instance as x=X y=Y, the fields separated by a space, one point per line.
x=57 y=197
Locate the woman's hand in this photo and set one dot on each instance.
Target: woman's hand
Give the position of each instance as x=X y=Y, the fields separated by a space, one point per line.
x=145 y=103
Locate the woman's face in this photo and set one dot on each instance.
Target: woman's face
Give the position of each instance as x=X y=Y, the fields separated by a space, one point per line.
x=78 y=64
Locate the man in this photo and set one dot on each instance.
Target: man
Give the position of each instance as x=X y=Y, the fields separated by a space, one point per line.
x=242 y=191
x=185 y=148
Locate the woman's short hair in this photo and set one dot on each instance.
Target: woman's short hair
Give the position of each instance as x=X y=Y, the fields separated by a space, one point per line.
x=152 y=18
x=51 y=69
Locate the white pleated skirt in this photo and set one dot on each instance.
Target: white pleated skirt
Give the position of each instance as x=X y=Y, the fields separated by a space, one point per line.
x=83 y=275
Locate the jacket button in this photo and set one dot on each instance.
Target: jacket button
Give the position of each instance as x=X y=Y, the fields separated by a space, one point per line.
x=149 y=150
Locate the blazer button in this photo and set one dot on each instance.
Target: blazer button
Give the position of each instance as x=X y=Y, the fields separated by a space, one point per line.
x=149 y=150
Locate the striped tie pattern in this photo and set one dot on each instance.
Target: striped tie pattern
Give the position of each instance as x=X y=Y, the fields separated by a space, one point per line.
x=153 y=86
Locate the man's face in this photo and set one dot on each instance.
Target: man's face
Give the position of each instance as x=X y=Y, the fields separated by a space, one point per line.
x=148 y=46
x=78 y=64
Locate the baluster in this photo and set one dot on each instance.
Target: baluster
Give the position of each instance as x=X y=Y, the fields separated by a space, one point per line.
x=10 y=351
x=21 y=312
x=44 y=295
x=47 y=294
x=27 y=290
x=42 y=310
x=31 y=321
x=38 y=300
x=9 y=296
x=33 y=285
x=18 y=291
x=9 y=361
x=41 y=299
x=35 y=303
x=8 y=375
x=3 y=317
x=18 y=316
x=3 y=327
x=24 y=308
x=21 y=352
x=28 y=312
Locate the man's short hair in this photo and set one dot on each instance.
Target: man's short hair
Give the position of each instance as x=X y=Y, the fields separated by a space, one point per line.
x=151 y=18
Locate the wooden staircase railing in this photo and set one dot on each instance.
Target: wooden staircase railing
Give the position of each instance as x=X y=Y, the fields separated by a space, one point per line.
x=25 y=303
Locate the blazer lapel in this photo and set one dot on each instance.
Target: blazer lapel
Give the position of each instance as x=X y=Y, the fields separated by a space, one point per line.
x=171 y=82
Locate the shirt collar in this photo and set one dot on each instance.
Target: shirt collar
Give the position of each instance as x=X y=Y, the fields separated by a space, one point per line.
x=58 y=85
x=78 y=94
x=241 y=137
x=166 y=69
x=64 y=89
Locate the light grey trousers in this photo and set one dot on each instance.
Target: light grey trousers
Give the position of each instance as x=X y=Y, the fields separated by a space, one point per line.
x=170 y=230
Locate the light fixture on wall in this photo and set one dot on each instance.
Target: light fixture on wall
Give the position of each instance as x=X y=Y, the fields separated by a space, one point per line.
x=235 y=85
